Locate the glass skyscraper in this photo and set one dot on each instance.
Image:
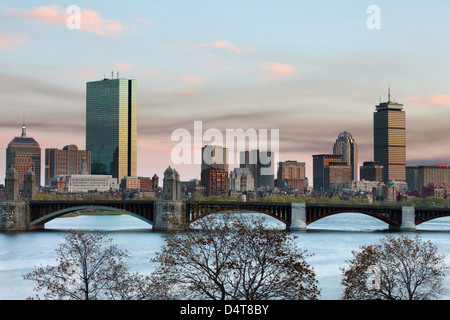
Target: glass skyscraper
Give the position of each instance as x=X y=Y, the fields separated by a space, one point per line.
x=346 y=146
x=111 y=126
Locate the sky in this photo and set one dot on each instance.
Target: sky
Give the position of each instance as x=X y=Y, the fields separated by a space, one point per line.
x=309 y=69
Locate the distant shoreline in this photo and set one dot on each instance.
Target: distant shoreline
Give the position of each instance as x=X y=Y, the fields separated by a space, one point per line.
x=95 y=213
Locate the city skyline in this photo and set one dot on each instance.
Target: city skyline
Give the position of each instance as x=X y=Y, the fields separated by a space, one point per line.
x=310 y=70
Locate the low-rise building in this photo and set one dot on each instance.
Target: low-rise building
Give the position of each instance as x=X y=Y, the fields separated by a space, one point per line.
x=80 y=183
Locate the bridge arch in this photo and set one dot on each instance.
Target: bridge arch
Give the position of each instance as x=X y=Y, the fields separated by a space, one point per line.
x=196 y=211
x=427 y=214
x=249 y=212
x=389 y=215
x=55 y=214
x=349 y=221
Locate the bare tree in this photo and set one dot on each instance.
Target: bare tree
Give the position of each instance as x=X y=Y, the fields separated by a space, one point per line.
x=91 y=267
x=232 y=257
x=398 y=268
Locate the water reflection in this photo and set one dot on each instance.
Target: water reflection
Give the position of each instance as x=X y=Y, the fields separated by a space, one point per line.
x=329 y=240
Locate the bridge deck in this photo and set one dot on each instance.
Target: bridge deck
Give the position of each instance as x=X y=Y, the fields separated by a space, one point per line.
x=42 y=211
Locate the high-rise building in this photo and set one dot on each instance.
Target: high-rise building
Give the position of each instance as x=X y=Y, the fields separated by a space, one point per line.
x=389 y=134
x=214 y=157
x=215 y=181
x=24 y=153
x=421 y=176
x=320 y=162
x=259 y=163
x=111 y=126
x=291 y=174
x=214 y=174
x=346 y=146
x=371 y=171
x=336 y=176
x=66 y=161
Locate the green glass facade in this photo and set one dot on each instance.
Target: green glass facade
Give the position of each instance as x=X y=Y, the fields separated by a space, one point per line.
x=111 y=126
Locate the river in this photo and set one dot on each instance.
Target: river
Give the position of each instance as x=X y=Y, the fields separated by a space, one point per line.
x=329 y=240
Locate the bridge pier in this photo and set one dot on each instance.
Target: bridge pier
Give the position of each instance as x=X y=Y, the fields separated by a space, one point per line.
x=15 y=212
x=169 y=215
x=14 y=215
x=407 y=221
x=298 y=217
x=170 y=212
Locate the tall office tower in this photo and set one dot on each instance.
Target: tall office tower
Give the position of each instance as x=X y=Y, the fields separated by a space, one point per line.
x=291 y=174
x=66 y=161
x=320 y=162
x=346 y=146
x=260 y=164
x=111 y=127
x=215 y=180
x=24 y=153
x=214 y=157
x=214 y=174
x=389 y=134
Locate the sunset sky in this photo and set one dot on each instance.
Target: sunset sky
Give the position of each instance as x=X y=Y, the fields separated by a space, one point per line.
x=311 y=69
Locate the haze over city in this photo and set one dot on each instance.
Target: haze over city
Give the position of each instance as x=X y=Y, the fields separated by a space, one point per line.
x=311 y=70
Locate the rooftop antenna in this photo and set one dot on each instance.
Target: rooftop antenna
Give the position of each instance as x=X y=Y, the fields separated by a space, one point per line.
x=389 y=92
x=117 y=74
x=112 y=74
x=24 y=133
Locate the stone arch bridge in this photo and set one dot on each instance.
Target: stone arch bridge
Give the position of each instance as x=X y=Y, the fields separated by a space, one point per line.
x=29 y=215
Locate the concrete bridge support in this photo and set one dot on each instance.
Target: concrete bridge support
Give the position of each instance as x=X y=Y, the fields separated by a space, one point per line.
x=298 y=217
x=14 y=215
x=15 y=212
x=408 y=220
x=169 y=214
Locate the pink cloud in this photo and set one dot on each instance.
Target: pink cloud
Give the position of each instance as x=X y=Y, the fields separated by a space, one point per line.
x=413 y=98
x=437 y=100
x=273 y=70
x=225 y=45
x=162 y=90
x=90 y=21
x=89 y=72
x=145 y=21
x=10 y=40
x=122 y=66
x=440 y=99
x=192 y=80
x=151 y=73
x=186 y=92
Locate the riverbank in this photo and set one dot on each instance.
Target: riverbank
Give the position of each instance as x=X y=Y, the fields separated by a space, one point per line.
x=90 y=213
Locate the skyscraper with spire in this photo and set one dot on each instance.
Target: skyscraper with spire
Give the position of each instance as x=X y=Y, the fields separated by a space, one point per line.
x=24 y=153
x=345 y=145
x=111 y=126
x=389 y=134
